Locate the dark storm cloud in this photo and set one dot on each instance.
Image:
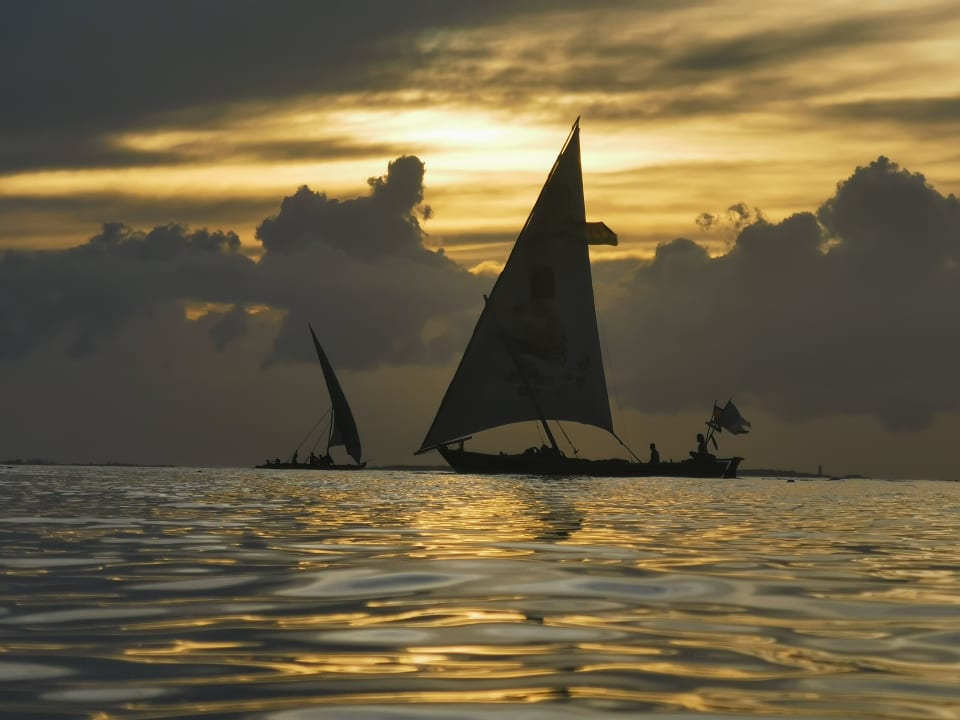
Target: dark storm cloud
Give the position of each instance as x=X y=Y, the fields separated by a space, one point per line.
x=20 y=151
x=46 y=150
x=82 y=72
x=77 y=74
x=84 y=295
x=786 y=45
x=670 y=69
x=674 y=73
x=114 y=64
x=924 y=111
x=849 y=311
x=355 y=268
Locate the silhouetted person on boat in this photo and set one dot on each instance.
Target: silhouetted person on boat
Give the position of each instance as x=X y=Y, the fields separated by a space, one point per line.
x=295 y=452
x=654 y=455
x=702 y=453
x=542 y=451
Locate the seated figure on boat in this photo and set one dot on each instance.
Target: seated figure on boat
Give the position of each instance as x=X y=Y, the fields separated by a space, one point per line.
x=542 y=451
x=654 y=454
x=320 y=460
x=702 y=452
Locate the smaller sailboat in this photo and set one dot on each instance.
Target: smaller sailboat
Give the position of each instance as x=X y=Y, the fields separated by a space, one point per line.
x=341 y=431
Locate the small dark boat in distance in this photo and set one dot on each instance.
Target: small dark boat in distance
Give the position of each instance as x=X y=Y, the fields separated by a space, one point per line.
x=535 y=353
x=342 y=429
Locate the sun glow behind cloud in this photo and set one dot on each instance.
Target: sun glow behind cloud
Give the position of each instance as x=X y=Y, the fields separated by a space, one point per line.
x=667 y=134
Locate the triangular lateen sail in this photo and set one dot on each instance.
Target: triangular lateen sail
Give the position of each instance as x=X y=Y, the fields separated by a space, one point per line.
x=537 y=333
x=344 y=430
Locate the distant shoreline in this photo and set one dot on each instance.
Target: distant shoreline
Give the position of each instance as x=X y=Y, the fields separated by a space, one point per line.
x=768 y=472
x=107 y=463
x=757 y=472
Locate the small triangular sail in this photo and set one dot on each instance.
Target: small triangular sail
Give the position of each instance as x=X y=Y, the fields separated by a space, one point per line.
x=344 y=429
x=537 y=334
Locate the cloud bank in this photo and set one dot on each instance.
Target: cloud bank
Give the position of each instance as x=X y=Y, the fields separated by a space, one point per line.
x=357 y=269
x=849 y=310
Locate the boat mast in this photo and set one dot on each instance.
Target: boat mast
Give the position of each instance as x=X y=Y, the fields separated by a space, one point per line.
x=333 y=419
x=526 y=382
x=712 y=427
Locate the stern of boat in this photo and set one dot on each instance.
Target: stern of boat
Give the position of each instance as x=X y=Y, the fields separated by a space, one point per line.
x=731 y=469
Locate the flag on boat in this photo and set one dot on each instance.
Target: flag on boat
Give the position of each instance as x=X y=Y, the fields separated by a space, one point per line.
x=729 y=418
x=599 y=234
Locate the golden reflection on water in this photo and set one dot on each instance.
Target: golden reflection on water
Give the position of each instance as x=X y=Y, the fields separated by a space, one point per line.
x=252 y=593
x=439 y=617
x=183 y=647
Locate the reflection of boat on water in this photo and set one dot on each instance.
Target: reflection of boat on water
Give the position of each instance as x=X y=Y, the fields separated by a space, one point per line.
x=342 y=430
x=535 y=351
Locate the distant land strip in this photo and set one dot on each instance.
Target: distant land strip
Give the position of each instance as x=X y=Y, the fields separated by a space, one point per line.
x=107 y=463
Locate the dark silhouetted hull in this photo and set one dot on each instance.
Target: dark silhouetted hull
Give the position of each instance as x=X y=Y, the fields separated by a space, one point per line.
x=550 y=464
x=307 y=466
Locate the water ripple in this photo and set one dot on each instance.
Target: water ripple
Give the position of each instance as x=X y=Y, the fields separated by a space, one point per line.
x=145 y=593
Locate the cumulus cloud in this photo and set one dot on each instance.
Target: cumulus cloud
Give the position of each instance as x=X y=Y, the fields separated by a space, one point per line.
x=84 y=295
x=356 y=268
x=384 y=222
x=359 y=268
x=846 y=311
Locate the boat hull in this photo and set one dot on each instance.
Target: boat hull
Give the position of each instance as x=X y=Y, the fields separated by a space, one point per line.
x=307 y=466
x=550 y=464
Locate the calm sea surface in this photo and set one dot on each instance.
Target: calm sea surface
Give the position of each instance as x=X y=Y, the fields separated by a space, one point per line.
x=208 y=593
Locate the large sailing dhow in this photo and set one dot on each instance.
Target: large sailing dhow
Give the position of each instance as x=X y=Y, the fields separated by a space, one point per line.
x=535 y=351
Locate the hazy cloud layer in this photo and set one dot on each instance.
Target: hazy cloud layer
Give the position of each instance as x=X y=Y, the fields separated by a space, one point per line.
x=82 y=73
x=850 y=310
x=114 y=64
x=29 y=150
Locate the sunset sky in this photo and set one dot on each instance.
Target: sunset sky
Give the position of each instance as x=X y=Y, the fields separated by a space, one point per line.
x=781 y=177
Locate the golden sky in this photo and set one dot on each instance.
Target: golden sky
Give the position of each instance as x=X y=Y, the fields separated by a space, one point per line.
x=688 y=108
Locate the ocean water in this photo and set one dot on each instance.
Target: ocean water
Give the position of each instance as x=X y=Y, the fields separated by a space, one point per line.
x=279 y=595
